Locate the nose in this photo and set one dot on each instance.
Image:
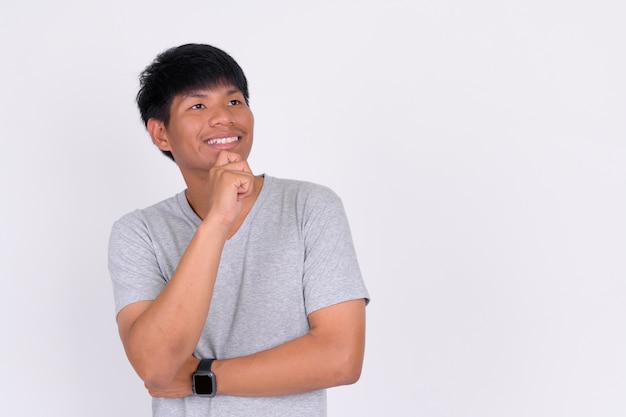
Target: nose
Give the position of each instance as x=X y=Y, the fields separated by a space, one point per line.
x=221 y=115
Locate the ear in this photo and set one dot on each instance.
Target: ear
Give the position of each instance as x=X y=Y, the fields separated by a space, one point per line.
x=158 y=133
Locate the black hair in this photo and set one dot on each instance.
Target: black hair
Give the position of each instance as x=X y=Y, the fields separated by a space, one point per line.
x=181 y=69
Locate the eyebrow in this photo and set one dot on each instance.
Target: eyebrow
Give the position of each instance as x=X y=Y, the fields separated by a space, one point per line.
x=200 y=94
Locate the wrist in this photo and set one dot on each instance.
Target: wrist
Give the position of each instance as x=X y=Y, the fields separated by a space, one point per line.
x=215 y=227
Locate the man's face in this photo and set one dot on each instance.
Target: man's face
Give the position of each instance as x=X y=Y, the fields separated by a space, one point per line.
x=203 y=123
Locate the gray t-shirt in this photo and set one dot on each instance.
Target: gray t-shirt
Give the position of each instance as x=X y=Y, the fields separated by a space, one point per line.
x=292 y=255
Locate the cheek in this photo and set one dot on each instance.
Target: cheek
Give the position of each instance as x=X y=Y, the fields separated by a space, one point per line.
x=182 y=131
x=247 y=120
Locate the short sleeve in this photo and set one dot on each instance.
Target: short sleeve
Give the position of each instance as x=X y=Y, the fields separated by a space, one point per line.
x=331 y=270
x=133 y=265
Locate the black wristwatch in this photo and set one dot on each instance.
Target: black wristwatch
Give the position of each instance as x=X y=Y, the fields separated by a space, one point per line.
x=203 y=381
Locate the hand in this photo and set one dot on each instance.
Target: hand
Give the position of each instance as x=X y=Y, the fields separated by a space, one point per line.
x=230 y=181
x=181 y=385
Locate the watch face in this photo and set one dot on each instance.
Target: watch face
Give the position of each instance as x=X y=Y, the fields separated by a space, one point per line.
x=203 y=384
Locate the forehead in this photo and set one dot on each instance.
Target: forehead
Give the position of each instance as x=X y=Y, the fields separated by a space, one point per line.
x=208 y=91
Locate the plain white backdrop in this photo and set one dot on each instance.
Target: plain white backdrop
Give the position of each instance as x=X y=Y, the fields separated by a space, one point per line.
x=479 y=148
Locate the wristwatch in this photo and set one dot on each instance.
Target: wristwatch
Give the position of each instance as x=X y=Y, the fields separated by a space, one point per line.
x=203 y=381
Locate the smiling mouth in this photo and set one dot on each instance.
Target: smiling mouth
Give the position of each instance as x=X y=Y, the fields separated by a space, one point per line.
x=222 y=141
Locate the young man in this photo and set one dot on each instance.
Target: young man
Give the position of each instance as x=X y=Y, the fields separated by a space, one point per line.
x=241 y=295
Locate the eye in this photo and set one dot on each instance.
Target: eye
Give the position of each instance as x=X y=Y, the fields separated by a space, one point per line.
x=234 y=102
x=197 y=106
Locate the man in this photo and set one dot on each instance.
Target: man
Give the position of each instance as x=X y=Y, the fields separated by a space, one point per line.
x=240 y=296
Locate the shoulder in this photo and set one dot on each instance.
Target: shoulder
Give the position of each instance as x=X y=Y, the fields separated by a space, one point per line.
x=310 y=204
x=139 y=219
x=304 y=192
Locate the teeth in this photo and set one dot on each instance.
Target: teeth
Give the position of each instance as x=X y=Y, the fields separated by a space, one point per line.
x=222 y=141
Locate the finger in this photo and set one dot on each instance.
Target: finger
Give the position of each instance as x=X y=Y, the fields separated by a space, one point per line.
x=227 y=157
x=232 y=161
x=245 y=187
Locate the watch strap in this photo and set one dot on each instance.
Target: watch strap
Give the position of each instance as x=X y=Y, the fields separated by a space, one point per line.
x=205 y=365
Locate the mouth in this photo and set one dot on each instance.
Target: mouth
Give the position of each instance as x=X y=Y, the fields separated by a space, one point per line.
x=222 y=141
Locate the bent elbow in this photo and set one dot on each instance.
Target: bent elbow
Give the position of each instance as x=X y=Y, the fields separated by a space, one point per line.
x=155 y=368
x=350 y=375
x=158 y=380
x=154 y=375
x=348 y=369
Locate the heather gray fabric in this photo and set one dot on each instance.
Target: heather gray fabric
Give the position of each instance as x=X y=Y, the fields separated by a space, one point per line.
x=292 y=255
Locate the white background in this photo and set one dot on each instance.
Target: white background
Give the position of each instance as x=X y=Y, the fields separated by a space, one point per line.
x=479 y=148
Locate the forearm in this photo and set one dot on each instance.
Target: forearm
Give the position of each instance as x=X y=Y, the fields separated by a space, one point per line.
x=295 y=367
x=331 y=354
x=163 y=336
x=285 y=370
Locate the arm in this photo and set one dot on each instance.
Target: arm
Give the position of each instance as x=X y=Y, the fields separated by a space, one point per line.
x=159 y=336
x=331 y=354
